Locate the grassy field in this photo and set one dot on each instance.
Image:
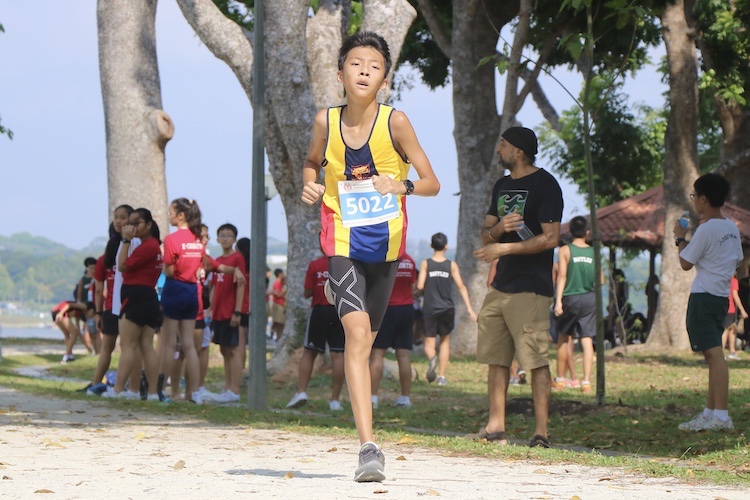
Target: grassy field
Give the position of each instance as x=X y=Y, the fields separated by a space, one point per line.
x=647 y=396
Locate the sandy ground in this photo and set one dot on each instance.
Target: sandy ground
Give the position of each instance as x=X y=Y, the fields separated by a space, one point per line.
x=89 y=449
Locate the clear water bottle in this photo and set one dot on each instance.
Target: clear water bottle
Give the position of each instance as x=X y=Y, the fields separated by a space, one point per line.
x=685 y=219
x=524 y=232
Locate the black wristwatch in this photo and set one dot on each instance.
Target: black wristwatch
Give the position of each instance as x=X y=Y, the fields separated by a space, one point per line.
x=677 y=241
x=409 y=185
x=125 y=240
x=237 y=313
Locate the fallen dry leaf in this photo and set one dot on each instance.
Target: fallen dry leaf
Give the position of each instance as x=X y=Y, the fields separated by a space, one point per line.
x=406 y=440
x=400 y=457
x=44 y=490
x=541 y=471
x=306 y=460
x=689 y=472
x=289 y=475
x=432 y=492
x=7 y=477
x=66 y=440
x=378 y=492
x=141 y=435
x=333 y=449
x=179 y=465
x=575 y=497
x=606 y=479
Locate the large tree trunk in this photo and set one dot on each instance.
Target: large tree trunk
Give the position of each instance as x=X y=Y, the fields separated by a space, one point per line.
x=680 y=171
x=300 y=78
x=137 y=129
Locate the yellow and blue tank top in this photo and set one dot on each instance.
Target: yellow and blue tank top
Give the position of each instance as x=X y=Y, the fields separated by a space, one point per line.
x=379 y=242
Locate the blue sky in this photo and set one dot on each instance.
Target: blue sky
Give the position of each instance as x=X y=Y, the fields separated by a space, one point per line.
x=54 y=170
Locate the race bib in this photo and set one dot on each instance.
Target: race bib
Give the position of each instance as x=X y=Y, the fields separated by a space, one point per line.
x=362 y=205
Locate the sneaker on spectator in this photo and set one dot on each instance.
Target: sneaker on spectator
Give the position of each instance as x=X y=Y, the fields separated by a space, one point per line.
x=698 y=423
x=206 y=394
x=109 y=392
x=402 y=402
x=716 y=424
x=299 y=399
x=733 y=355
x=334 y=405
x=96 y=389
x=558 y=384
x=196 y=398
x=127 y=394
x=374 y=400
x=573 y=384
x=514 y=381
x=441 y=381
x=521 y=377
x=226 y=397
x=585 y=386
x=152 y=397
x=371 y=464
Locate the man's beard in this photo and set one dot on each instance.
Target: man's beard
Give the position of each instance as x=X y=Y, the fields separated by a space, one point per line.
x=505 y=164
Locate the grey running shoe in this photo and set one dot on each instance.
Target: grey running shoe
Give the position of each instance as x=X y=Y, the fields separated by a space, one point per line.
x=431 y=375
x=698 y=423
x=371 y=464
x=715 y=424
x=442 y=381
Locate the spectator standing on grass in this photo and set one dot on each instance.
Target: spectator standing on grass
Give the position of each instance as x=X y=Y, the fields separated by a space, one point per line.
x=278 y=305
x=729 y=337
x=436 y=276
x=521 y=228
x=575 y=303
x=323 y=327
x=715 y=251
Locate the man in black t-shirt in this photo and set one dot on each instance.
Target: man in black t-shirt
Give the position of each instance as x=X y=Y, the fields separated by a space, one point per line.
x=521 y=229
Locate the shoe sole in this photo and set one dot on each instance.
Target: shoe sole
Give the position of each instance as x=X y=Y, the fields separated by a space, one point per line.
x=369 y=475
x=298 y=404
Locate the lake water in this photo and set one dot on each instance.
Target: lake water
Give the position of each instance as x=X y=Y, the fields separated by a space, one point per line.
x=31 y=333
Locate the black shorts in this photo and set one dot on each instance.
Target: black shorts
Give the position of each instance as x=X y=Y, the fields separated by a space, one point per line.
x=441 y=323
x=361 y=286
x=110 y=324
x=225 y=334
x=397 y=329
x=730 y=319
x=179 y=299
x=324 y=327
x=200 y=324
x=579 y=316
x=245 y=320
x=140 y=304
x=705 y=318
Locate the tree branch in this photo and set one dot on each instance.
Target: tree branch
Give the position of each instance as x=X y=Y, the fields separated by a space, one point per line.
x=732 y=163
x=223 y=37
x=437 y=28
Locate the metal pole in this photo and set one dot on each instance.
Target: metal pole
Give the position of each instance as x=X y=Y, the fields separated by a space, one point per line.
x=256 y=387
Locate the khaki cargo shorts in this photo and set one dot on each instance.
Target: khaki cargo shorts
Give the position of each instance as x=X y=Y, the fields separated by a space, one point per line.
x=514 y=325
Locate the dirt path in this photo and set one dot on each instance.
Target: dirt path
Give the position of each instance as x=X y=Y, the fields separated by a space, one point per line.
x=89 y=449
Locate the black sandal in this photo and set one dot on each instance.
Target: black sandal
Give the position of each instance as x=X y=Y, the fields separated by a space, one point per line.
x=491 y=436
x=540 y=441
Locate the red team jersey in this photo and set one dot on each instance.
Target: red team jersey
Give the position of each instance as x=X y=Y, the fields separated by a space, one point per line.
x=734 y=286
x=406 y=276
x=278 y=287
x=145 y=264
x=315 y=280
x=183 y=250
x=225 y=289
x=106 y=276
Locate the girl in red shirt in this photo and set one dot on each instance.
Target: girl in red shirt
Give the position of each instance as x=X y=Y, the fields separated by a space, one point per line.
x=140 y=314
x=183 y=259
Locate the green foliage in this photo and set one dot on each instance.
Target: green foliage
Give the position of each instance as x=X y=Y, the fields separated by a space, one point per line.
x=40 y=270
x=725 y=38
x=239 y=11
x=421 y=51
x=627 y=147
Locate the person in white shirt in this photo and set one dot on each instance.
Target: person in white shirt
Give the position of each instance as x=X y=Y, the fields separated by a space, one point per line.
x=715 y=250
